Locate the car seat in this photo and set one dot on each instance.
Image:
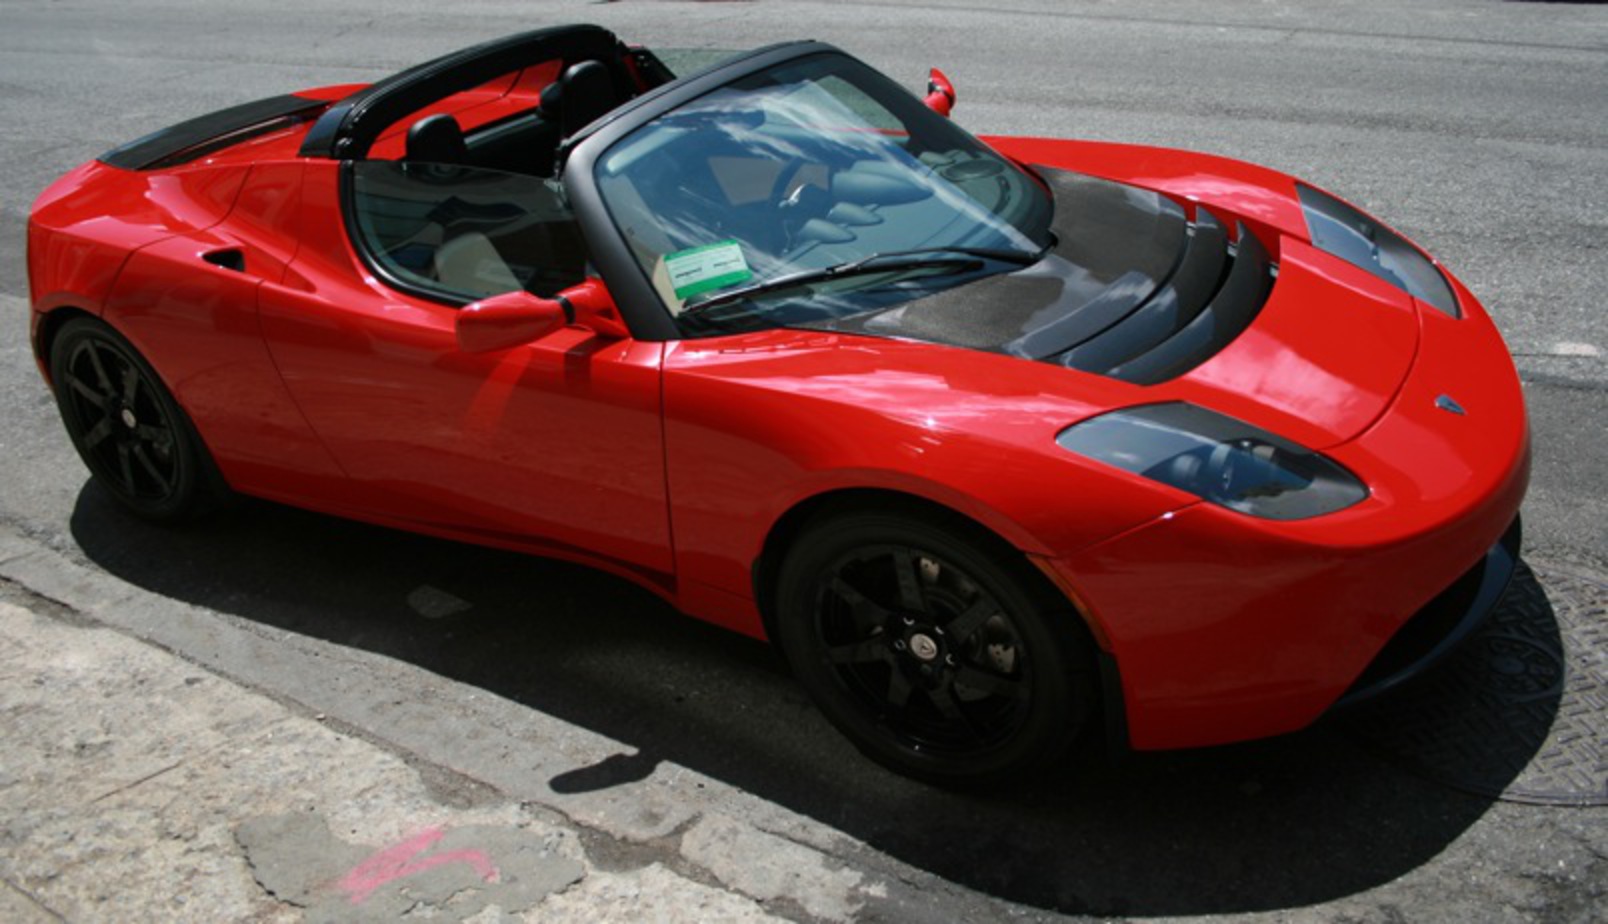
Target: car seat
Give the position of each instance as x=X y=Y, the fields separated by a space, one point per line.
x=436 y=139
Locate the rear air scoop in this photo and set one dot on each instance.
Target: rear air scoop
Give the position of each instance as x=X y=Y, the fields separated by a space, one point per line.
x=1136 y=288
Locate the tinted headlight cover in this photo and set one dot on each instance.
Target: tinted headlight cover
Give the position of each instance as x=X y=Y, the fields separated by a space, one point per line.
x=1341 y=230
x=1217 y=458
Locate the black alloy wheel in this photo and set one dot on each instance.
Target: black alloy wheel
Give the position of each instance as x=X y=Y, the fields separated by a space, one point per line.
x=939 y=659
x=126 y=426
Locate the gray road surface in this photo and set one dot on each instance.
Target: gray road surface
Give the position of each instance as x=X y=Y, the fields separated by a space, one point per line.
x=1478 y=127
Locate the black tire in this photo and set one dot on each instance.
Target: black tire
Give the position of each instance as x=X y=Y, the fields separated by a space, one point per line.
x=139 y=445
x=940 y=654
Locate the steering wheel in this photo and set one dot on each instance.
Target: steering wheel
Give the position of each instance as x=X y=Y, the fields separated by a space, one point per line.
x=796 y=202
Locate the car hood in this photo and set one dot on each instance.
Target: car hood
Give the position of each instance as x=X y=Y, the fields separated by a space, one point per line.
x=1186 y=297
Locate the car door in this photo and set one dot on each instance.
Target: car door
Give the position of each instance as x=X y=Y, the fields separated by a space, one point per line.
x=556 y=443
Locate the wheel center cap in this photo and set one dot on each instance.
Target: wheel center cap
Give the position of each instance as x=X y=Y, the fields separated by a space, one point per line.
x=923 y=647
x=128 y=418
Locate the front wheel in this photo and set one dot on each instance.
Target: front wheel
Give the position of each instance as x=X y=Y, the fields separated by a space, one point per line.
x=127 y=428
x=940 y=657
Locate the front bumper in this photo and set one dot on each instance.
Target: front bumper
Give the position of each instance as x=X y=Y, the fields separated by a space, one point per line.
x=1442 y=625
x=1227 y=628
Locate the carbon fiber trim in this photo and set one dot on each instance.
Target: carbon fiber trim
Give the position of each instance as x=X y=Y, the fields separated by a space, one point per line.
x=1199 y=276
x=196 y=137
x=1135 y=289
x=1245 y=289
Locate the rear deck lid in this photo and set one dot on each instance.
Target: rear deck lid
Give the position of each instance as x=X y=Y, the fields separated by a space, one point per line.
x=197 y=137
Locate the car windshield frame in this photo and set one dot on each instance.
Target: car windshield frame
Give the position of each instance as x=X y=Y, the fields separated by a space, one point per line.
x=884 y=168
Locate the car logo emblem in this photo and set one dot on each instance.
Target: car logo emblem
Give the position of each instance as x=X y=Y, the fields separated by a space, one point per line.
x=1445 y=403
x=923 y=647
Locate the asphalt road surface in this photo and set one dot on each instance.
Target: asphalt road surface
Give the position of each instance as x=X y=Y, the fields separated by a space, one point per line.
x=1477 y=127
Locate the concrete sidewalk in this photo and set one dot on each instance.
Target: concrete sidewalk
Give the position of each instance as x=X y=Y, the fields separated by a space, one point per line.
x=137 y=786
x=361 y=785
x=266 y=775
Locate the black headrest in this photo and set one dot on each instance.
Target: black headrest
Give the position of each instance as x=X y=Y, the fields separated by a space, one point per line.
x=437 y=139
x=588 y=94
x=551 y=106
x=584 y=92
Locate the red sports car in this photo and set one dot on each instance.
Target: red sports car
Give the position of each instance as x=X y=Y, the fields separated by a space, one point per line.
x=997 y=439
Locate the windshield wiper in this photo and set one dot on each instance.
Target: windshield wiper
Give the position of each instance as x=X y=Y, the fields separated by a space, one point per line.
x=887 y=261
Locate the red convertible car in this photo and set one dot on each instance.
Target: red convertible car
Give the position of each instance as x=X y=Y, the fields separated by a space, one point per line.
x=998 y=440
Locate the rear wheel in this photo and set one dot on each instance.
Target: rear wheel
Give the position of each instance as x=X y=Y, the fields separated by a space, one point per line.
x=939 y=656
x=127 y=428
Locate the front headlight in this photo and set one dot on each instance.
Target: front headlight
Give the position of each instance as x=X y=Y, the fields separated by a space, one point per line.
x=1215 y=457
x=1344 y=232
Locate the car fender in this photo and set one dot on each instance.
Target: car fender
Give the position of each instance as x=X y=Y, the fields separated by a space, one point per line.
x=762 y=424
x=85 y=227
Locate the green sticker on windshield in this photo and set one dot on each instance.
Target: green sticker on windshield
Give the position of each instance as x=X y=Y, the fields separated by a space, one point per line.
x=707 y=268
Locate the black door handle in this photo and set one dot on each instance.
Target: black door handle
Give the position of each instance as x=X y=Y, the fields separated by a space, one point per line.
x=231 y=258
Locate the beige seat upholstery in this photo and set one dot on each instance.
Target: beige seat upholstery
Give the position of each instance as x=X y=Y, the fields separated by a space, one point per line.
x=469 y=263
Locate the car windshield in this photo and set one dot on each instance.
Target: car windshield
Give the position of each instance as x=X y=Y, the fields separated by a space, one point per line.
x=813 y=190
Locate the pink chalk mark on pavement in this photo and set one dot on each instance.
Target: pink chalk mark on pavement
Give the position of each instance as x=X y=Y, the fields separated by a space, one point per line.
x=398 y=861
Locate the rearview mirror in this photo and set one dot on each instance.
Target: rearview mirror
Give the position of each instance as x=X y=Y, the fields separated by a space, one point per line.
x=940 y=93
x=513 y=318
x=507 y=320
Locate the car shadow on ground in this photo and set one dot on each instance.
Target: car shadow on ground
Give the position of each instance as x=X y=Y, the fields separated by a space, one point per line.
x=1276 y=824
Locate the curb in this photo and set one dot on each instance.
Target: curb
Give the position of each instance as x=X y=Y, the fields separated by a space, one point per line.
x=678 y=823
